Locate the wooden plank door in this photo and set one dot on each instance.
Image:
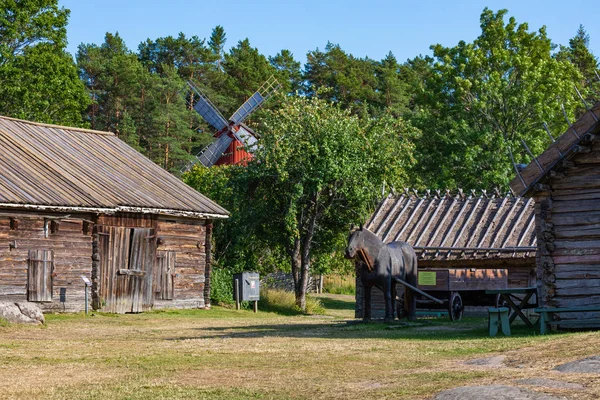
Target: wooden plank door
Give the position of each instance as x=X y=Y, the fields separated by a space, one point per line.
x=164 y=273
x=40 y=267
x=126 y=268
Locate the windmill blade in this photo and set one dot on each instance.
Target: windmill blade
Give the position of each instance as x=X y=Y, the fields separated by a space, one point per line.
x=245 y=137
x=211 y=153
x=256 y=100
x=207 y=110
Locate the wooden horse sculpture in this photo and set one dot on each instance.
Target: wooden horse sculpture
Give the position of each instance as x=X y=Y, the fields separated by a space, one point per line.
x=380 y=264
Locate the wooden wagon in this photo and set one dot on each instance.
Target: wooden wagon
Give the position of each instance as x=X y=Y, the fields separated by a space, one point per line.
x=453 y=288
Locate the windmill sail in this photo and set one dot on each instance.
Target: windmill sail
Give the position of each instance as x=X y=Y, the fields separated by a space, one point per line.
x=211 y=153
x=255 y=101
x=207 y=110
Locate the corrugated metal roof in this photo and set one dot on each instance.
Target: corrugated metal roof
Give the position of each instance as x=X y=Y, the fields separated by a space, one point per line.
x=54 y=166
x=447 y=227
x=564 y=147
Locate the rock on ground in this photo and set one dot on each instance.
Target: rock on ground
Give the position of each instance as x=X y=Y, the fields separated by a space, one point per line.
x=492 y=392
x=492 y=362
x=550 y=383
x=21 y=313
x=589 y=365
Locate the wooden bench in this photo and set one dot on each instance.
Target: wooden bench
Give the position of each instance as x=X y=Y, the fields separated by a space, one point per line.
x=498 y=317
x=546 y=317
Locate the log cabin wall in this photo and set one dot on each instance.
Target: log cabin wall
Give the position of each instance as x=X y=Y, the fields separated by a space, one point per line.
x=69 y=241
x=568 y=230
x=565 y=183
x=186 y=241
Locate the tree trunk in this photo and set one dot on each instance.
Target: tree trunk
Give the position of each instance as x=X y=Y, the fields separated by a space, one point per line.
x=306 y=246
x=296 y=269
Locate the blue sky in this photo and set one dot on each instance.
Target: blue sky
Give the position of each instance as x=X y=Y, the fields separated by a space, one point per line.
x=363 y=28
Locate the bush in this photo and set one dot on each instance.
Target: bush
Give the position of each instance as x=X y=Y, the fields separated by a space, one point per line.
x=221 y=286
x=284 y=302
x=337 y=284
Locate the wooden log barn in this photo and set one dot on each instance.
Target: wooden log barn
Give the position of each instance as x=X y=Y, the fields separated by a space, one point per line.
x=77 y=202
x=478 y=236
x=564 y=181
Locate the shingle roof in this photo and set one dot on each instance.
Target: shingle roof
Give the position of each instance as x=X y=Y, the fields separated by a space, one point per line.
x=564 y=147
x=447 y=227
x=54 y=166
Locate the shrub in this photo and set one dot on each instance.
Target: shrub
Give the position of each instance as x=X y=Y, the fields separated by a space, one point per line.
x=221 y=286
x=284 y=302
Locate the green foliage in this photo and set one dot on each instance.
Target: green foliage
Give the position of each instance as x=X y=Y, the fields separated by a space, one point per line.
x=38 y=79
x=340 y=284
x=579 y=54
x=284 y=302
x=318 y=170
x=221 y=286
x=482 y=98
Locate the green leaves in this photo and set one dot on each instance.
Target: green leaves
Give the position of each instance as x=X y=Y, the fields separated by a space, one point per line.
x=38 y=79
x=483 y=97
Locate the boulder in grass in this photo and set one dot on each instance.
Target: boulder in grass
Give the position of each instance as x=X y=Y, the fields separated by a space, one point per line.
x=12 y=313
x=589 y=365
x=32 y=311
x=492 y=392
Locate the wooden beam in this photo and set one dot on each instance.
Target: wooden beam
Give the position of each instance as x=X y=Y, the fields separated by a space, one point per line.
x=390 y=212
x=518 y=221
x=421 y=218
x=431 y=219
x=391 y=226
x=471 y=214
x=506 y=220
x=408 y=221
x=489 y=227
x=441 y=223
x=456 y=219
x=131 y=272
x=374 y=216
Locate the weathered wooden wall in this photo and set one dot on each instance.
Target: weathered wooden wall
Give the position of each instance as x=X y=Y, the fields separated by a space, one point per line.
x=71 y=243
x=77 y=243
x=187 y=238
x=568 y=230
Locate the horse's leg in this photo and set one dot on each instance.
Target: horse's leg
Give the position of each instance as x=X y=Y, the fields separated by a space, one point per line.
x=394 y=294
x=387 y=292
x=367 y=301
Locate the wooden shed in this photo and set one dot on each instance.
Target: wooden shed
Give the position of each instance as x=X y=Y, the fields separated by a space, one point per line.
x=474 y=231
x=76 y=202
x=564 y=181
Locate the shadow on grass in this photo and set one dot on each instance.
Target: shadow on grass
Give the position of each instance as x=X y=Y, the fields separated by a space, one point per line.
x=430 y=329
x=335 y=304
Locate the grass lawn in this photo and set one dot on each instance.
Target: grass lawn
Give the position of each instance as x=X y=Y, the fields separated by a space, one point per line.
x=228 y=354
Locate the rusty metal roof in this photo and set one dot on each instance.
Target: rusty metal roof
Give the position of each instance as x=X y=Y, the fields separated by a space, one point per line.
x=564 y=147
x=47 y=166
x=453 y=227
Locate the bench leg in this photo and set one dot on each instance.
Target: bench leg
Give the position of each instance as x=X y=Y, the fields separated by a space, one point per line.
x=543 y=323
x=505 y=323
x=493 y=324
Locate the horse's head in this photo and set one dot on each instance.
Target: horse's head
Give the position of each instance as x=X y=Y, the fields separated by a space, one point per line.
x=355 y=242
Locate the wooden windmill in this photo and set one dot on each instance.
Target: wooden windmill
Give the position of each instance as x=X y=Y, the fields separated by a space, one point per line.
x=235 y=141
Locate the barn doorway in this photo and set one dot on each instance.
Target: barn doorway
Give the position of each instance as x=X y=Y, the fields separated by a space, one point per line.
x=126 y=268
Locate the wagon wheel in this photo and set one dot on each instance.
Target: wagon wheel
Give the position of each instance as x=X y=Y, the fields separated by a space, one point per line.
x=500 y=302
x=455 y=307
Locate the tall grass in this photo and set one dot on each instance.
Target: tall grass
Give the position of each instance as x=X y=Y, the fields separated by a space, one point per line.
x=284 y=302
x=339 y=284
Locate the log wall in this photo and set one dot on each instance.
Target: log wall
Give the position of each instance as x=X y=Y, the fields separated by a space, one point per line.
x=74 y=241
x=187 y=238
x=568 y=229
x=71 y=243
